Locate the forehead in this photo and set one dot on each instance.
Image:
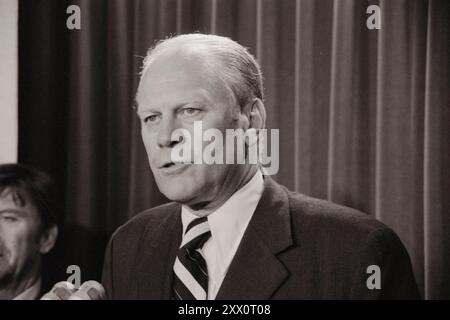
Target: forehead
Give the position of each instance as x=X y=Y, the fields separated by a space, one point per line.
x=11 y=201
x=175 y=79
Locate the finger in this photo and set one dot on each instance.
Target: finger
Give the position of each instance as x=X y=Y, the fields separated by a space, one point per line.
x=60 y=291
x=89 y=290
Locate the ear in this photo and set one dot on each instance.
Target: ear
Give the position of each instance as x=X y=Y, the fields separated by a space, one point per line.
x=257 y=114
x=48 y=239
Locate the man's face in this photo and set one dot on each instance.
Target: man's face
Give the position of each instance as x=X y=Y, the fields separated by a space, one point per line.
x=19 y=238
x=174 y=92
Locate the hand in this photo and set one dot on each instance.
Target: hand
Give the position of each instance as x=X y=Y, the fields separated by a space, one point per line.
x=89 y=290
x=60 y=291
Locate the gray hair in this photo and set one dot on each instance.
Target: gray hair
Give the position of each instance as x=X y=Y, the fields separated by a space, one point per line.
x=236 y=66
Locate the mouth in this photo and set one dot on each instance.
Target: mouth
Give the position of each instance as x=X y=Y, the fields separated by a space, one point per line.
x=171 y=168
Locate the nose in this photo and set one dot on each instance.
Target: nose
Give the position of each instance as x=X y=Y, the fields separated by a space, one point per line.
x=165 y=139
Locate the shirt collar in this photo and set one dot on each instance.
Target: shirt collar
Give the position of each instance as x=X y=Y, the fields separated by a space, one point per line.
x=229 y=222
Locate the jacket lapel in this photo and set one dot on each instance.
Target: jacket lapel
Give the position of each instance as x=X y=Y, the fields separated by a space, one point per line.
x=159 y=250
x=255 y=272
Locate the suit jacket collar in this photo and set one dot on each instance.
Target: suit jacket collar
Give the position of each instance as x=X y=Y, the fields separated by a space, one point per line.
x=160 y=248
x=256 y=272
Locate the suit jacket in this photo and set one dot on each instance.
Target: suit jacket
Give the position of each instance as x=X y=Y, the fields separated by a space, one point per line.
x=295 y=247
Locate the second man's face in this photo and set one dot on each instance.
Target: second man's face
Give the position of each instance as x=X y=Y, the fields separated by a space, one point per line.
x=175 y=92
x=19 y=238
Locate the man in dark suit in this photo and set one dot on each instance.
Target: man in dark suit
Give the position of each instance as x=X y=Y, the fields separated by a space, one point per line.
x=28 y=230
x=230 y=232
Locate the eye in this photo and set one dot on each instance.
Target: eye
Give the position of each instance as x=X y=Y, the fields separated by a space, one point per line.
x=189 y=111
x=9 y=219
x=151 y=118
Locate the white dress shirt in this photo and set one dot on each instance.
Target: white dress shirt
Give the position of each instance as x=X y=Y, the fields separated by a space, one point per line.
x=227 y=224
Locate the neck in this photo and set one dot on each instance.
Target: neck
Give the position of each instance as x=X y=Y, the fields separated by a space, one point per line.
x=230 y=185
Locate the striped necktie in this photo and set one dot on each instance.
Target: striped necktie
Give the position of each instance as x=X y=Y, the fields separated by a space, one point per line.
x=190 y=280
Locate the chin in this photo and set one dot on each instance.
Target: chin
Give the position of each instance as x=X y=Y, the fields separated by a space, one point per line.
x=182 y=198
x=178 y=192
x=187 y=187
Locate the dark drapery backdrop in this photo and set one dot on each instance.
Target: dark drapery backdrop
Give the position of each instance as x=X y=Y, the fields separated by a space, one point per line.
x=364 y=115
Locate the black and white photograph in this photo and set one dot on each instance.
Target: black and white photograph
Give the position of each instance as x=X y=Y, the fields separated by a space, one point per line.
x=239 y=150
